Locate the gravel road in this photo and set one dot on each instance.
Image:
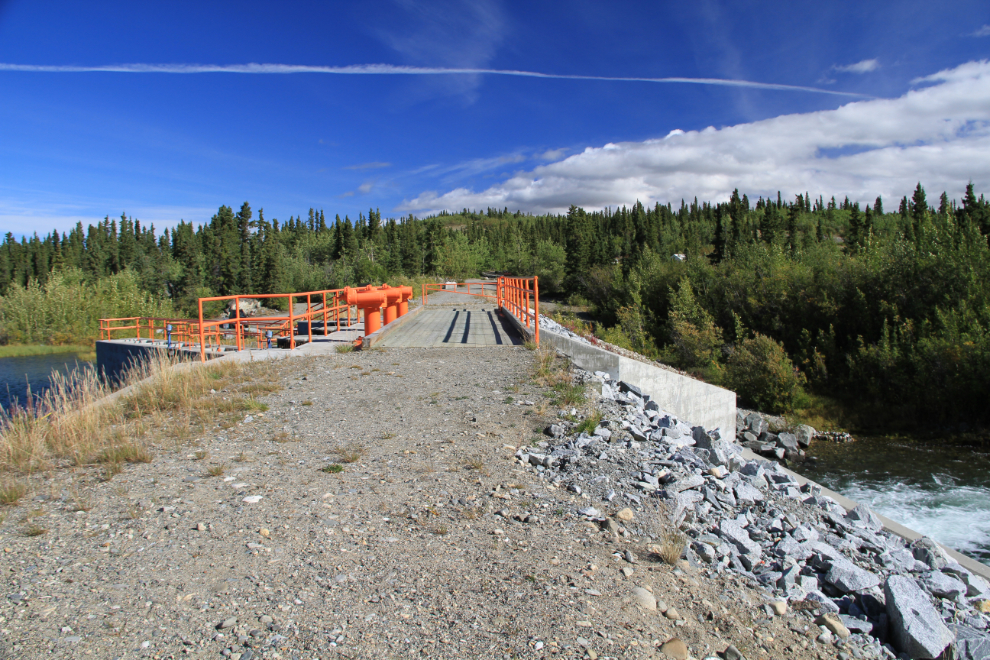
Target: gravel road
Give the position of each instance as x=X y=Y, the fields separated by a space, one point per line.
x=414 y=549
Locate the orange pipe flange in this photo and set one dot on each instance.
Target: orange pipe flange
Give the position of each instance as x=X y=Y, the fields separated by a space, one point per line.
x=407 y=294
x=370 y=301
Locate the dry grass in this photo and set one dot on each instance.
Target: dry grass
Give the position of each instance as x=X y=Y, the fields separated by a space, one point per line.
x=127 y=452
x=200 y=454
x=671 y=542
x=74 y=424
x=12 y=490
x=345 y=348
x=254 y=389
x=476 y=463
x=216 y=470
x=351 y=453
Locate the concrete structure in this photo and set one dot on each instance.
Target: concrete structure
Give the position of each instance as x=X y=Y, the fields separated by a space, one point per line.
x=115 y=356
x=687 y=398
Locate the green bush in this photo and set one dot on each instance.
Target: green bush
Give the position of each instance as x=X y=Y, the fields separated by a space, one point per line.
x=762 y=375
x=696 y=340
x=67 y=309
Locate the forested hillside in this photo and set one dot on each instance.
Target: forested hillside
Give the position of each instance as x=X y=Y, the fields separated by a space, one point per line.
x=771 y=298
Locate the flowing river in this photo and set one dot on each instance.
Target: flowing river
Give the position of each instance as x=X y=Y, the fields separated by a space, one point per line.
x=18 y=373
x=942 y=491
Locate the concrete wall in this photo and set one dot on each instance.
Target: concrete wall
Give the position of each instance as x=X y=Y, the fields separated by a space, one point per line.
x=687 y=398
x=115 y=356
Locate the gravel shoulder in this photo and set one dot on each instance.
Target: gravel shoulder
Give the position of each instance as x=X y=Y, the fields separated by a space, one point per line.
x=239 y=544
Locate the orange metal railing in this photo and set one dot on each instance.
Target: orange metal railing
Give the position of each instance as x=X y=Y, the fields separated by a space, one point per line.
x=482 y=289
x=515 y=295
x=329 y=303
x=144 y=327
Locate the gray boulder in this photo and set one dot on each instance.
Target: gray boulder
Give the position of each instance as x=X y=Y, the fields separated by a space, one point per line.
x=939 y=584
x=928 y=551
x=971 y=644
x=736 y=535
x=804 y=435
x=861 y=516
x=701 y=439
x=916 y=628
x=787 y=441
x=747 y=494
x=847 y=577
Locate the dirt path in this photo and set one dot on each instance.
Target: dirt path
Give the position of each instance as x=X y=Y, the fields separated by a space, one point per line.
x=413 y=549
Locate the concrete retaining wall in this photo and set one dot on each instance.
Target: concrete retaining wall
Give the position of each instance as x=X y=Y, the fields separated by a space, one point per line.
x=113 y=357
x=687 y=398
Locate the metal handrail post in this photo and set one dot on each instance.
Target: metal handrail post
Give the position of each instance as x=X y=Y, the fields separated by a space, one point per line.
x=292 y=326
x=536 y=305
x=202 y=338
x=309 y=315
x=324 y=313
x=237 y=322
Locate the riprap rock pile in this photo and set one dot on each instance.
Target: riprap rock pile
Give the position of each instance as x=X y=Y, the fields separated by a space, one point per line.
x=870 y=591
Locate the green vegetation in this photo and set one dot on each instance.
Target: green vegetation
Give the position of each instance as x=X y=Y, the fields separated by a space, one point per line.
x=41 y=349
x=798 y=304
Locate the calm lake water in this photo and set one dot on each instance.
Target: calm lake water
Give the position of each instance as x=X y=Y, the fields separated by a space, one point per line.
x=941 y=491
x=16 y=373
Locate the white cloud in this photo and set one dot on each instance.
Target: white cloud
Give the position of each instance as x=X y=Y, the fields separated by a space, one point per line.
x=365 y=188
x=938 y=135
x=368 y=166
x=553 y=154
x=393 y=70
x=865 y=66
x=983 y=32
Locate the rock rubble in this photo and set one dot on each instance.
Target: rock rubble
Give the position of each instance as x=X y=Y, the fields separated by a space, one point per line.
x=872 y=593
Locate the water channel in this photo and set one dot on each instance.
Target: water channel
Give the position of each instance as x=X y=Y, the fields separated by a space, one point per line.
x=941 y=490
x=17 y=374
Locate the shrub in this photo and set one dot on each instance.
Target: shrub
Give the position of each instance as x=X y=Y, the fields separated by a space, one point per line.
x=696 y=340
x=762 y=374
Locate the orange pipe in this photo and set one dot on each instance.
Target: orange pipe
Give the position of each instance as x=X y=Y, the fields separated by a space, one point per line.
x=369 y=301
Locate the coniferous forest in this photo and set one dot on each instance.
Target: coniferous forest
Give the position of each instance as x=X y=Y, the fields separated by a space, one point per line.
x=883 y=306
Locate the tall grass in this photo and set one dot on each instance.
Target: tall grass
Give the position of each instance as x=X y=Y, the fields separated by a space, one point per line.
x=67 y=308
x=74 y=423
x=65 y=423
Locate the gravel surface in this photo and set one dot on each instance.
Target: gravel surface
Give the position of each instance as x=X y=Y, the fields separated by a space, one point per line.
x=414 y=548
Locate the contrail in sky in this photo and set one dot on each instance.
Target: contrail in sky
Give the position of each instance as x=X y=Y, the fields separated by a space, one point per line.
x=390 y=69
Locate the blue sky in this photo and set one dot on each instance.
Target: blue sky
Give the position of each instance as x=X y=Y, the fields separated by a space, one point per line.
x=908 y=99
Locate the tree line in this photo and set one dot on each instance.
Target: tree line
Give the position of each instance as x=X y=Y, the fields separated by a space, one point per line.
x=889 y=306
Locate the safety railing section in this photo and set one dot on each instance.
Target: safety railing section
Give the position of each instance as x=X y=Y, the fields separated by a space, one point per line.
x=515 y=295
x=260 y=330
x=487 y=290
x=171 y=330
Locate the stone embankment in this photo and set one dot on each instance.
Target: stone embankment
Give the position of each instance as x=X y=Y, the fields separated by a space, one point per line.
x=870 y=593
